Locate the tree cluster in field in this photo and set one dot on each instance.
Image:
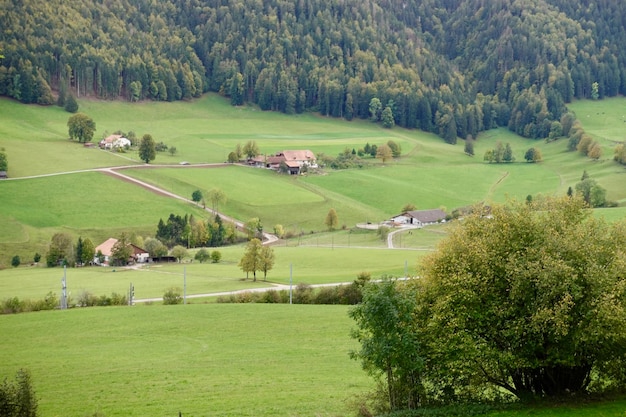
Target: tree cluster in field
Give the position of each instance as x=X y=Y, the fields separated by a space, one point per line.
x=172 y=238
x=17 y=398
x=523 y=301
x=591 y=192
x=454 y=69
x=190 y=232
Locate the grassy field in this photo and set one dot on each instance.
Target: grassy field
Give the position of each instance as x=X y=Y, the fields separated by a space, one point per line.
x=431 y=174
x=201 y=360
x=236 y=359
x=315 y=263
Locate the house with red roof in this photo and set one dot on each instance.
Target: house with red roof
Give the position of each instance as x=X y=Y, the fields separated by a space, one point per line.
x=295 y=161
x=105 y=249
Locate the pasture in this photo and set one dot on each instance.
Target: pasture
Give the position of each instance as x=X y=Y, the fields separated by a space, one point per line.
x=243 y=360
x=311 y=264
x=201 y=360
x=431 y=173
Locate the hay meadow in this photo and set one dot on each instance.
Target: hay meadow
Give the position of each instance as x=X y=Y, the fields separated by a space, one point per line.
x=211 y=359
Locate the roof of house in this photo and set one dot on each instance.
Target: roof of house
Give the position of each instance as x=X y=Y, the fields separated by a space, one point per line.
x=106 y=247
x=426 y=216
x=111 y=138
x=302 y=155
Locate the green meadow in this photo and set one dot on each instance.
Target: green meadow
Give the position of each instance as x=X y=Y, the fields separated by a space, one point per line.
x=200 y=360
x=223 y=360
x=312 y=263
x=203 y=360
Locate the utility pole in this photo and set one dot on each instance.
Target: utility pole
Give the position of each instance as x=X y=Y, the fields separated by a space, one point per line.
x=131 y=294
x=290 y=282
x=64 y=289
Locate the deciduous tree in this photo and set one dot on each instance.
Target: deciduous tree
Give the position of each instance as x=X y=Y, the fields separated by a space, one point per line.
x=81 y=127
x=202 y=255
x=147 y=149
x=179 y=252
x=332 y=220
x=267 y=260
x=384 y=153
x=530 y=299
x=389 y=343
x=251 y=259
x=121 y=251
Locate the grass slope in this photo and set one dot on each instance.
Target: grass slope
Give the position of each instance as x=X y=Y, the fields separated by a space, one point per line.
x=430 y=174
x=201 y=360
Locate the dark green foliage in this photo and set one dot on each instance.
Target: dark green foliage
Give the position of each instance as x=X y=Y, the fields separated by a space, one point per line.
x=17 y=399
x=196 y=196
x=16 y=261
x=172 y=232
x=454 y=68
x=36 y=257
x=469 y=146
x=71 y=105
x=4 y=163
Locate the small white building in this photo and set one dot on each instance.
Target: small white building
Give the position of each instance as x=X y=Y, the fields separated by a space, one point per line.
x=114 y=141
x=420 y=218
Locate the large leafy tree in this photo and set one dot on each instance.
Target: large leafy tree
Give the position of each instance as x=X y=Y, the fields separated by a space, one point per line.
x=531 y=299
x=390 y=346
x=60 y=250
x=251 y=149
x=147 y=149
x=81 y=127
x=251 y=260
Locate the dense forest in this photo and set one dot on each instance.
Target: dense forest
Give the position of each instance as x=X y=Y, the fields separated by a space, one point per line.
x=453 y=67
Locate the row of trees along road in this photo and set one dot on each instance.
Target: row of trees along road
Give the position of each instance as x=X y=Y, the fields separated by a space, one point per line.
x=454 y=68
x=526 y=300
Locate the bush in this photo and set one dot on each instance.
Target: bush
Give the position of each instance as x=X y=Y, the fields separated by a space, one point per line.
x=18 y=398
x=12 y=306
x=270 y=297
x=172 y=296
x=303 y=294
x=327 y=295
x=16 y=261
x=216 y=256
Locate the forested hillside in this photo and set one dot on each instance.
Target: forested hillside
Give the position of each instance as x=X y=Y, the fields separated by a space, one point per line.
x=453 y=67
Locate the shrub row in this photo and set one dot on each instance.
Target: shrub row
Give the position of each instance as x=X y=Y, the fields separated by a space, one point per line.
x=14 y=305
x=348 y=294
